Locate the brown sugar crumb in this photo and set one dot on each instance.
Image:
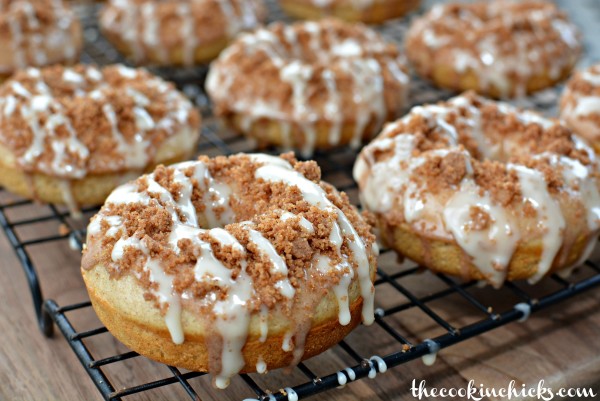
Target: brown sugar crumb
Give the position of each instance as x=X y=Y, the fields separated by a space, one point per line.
x=442 y=173
x=255 y=205
x=85 y=106
x=63 y=229
x=480 y=219
x=501 y=183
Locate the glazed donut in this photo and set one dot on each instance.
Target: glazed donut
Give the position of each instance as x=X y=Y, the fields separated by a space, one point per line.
x=177 y=33
x=233 y=264
x=580 y=105
x=498 y=48
x=37 y=33
x=71 y=135
x=482 y=190
x=308 y=85
x=369 y=11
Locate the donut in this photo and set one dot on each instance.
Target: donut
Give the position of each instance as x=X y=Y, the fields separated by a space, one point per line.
x=498 y=48
x=580 y=105
x=71 y=135
x=233 y=264
x=310 y=85
x=177 y=33
x=482 y=190
x=37 y=33
x=369 y=11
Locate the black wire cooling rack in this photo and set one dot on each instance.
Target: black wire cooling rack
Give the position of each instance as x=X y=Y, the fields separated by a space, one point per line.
x=404 y=293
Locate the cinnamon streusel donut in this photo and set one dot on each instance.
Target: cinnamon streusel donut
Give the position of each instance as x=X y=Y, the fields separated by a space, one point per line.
x=310 y=85
x=233 y=264
x=580 y=105
x=479 y=189
x=498 y=48
x=37 y=33
x=71 y=135
x=177 y=33
x=369 y=11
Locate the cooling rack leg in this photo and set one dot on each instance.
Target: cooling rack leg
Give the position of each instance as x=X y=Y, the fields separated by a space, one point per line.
x=45 y=321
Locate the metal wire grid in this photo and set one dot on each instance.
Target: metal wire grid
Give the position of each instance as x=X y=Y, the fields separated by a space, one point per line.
x=336 y=166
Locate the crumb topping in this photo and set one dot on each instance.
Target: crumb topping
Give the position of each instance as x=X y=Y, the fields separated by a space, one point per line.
x=501 y=41
x=73 y=121
x=326 y=71
x=299 y=232
x=511 y=137
x=149 y=26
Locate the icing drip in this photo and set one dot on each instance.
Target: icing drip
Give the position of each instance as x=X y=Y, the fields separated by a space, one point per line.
x=550 y=216
x=291 y=394
x=525 y=309
x=261 y=366
x=492 y=248
x=316 y=196
x=381 y=365
x=434 y=348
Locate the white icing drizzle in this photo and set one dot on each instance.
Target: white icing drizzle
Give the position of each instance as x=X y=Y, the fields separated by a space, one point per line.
x=286 y=344
x=69 y=198
x=351 y=373
x=291 y=394
x=525 y=309
x=261 y=366
x=232 y=315
x=551 y=220
x=387 y=185
x=52 y=130
x=492 y=248
x=307 y=225
x=278 y=265
x=343 y=59
x=33 y=44
x=434 y=348
x=316 y=196
x=579 y=108
x=74 y=244
x=142 y=26
x=341 y=378
x=381 y=365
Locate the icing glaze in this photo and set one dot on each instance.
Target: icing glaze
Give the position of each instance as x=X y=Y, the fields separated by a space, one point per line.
x=330 y=58
x=141 y=25
x=390 y=184
x=38 y=42
x=504 y=44
x=58 y=144
x=231 y=310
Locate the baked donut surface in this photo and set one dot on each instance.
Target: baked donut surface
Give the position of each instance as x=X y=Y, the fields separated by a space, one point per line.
x=71 y=135
x=232 y=264
x=498 y=48
x=480 y=189
x=310 y=85
x=180 y=32
x=37 y=33
x=580 y=105
x=369 y=11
